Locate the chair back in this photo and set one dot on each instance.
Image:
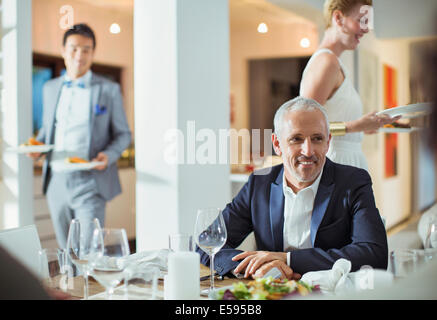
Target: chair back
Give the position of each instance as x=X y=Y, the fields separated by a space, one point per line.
x=24 y=244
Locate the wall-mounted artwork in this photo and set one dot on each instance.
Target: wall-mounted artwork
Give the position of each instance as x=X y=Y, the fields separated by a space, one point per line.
x=391 y=139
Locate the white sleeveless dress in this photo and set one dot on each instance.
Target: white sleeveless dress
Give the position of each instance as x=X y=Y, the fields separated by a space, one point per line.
x=344 y=105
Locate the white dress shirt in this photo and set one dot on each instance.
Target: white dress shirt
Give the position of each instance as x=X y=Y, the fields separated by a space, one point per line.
x=298 y=209
x=73 y=118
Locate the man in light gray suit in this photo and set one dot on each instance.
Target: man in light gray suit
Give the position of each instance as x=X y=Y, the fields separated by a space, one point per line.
x=83 y=116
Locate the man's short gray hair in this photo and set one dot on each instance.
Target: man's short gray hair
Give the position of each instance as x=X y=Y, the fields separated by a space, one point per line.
x=298 y=103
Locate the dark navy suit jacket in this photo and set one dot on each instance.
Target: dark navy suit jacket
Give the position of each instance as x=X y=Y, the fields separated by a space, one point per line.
x=345 y=222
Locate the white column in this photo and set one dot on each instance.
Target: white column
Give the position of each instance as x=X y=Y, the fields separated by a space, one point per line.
x=181 y=82
x=16 y=205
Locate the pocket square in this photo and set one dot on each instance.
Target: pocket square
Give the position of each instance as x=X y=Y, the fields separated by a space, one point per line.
x=99 y=110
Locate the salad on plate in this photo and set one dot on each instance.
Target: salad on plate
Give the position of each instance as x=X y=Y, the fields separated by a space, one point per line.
x=265 y=289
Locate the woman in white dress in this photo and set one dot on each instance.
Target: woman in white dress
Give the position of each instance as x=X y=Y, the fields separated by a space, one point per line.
x=326 y=80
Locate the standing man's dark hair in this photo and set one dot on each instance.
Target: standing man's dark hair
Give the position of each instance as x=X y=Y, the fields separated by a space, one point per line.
x=81 y=29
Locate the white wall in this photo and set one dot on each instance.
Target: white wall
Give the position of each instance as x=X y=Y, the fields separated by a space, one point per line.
x=282 y=40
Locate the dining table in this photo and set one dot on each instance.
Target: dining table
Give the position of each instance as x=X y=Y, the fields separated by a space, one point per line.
x=137 y=289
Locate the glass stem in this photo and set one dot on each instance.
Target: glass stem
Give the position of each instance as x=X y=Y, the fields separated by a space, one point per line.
x=211 y=267
x=109 y=293
x=85 y=287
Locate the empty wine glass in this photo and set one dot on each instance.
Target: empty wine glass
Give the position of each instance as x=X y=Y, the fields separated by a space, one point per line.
x=210 y=235
x=79 y=245
x=109 y=249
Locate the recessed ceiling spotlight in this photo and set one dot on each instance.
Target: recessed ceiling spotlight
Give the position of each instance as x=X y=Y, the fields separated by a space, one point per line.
x=115 y=28
x=305 y=43
x=262 y=28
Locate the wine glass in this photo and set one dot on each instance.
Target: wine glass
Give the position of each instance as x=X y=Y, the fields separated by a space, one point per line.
x=109 y=248
x=210 y=234
x=79 y=245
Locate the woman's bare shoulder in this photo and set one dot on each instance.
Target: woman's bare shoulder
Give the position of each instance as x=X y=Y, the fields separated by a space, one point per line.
x=325 y=61
x=321 y=77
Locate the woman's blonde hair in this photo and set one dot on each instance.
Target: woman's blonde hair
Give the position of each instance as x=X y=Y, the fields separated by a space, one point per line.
x=344 y=6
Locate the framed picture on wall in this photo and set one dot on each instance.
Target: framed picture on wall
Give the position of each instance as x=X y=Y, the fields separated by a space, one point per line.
x=390 y=139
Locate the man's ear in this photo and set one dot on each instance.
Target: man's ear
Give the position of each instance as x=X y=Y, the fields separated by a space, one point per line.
x=276 y=146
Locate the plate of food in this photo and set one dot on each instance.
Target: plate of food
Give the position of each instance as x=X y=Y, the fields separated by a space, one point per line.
x=73 y=164
x=263 y=289
x=398 y=127
x=32 y=146
x=409 y=111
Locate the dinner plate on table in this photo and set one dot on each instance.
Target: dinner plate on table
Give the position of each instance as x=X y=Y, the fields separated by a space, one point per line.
x=399 y=130
x=63 y=166
x=409 y=111
x=32 y=149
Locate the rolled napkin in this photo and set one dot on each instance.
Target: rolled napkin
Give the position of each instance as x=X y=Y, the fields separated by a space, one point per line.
x=331 y=281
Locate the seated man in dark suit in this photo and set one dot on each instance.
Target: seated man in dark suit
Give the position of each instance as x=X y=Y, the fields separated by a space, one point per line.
x=305 y=213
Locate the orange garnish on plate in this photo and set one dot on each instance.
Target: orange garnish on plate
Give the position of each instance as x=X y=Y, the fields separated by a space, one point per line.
x=33 y=142
x=76 y=160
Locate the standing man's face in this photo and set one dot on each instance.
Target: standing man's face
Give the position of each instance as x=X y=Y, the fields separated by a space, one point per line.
x=78 y=54
x=303 y=144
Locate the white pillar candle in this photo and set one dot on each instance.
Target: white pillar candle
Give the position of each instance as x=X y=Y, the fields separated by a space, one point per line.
x=183 y=279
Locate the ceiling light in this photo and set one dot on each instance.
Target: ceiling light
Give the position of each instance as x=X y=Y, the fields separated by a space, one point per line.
x=305 y=43
x=115 y=28
x=262 y=28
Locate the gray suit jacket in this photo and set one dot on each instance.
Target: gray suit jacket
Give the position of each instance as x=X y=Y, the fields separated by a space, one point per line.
x=108 y=129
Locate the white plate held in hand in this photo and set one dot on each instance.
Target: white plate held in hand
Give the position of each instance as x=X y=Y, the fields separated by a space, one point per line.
x=32 y=149
x=399 y=130
x=63 y=166
x=408 y=111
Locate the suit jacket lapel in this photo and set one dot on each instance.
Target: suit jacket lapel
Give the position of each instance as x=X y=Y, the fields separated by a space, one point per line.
x=322 y=199
x=277 y=212
x=52 y=106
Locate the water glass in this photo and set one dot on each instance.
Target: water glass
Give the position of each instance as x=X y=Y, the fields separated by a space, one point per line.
x=431 y=241
x=54 y=269
x=180 y=242
x=145 y=276
x=403 y=262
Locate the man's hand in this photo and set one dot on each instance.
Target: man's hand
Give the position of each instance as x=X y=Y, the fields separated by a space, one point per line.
x=101 y=157
x=253 y=260
x=35 y=155
x=286 y=271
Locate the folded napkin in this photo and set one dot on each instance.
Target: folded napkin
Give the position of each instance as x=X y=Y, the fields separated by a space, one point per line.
x=148 y=259
x=331 y=281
